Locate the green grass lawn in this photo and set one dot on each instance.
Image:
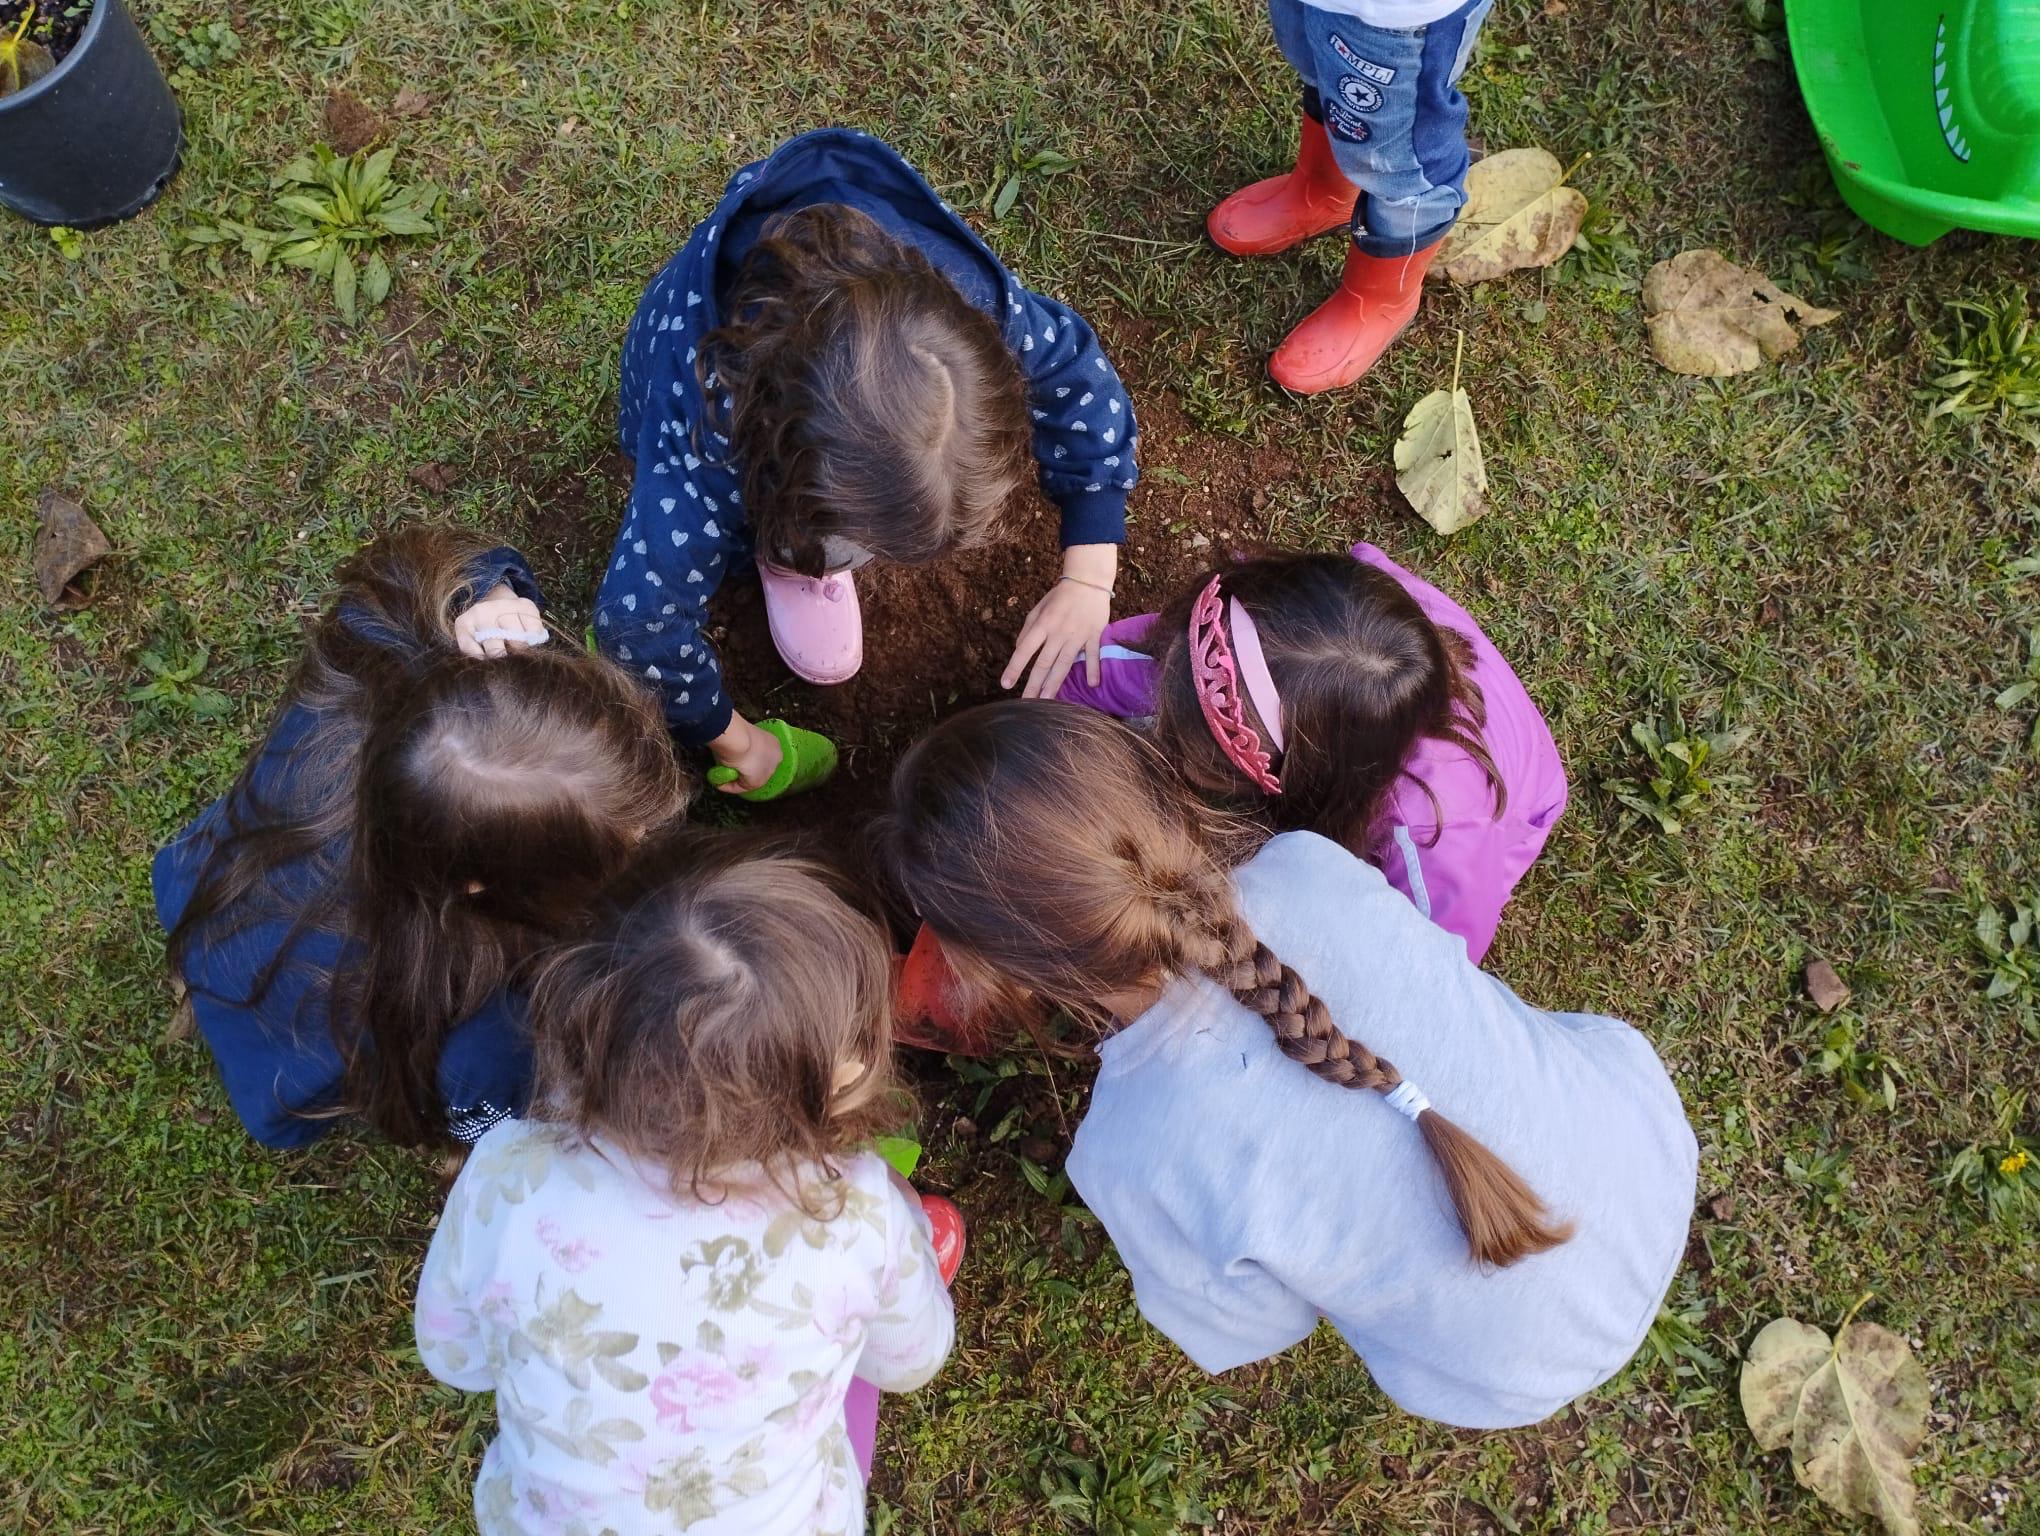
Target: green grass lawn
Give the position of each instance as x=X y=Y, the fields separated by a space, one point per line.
x=205 y=1336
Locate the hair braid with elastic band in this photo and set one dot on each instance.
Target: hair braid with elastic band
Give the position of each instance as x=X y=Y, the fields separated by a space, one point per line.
x=1503 y=1217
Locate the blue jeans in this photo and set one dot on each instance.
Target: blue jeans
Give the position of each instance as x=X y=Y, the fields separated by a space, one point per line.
x=1391 y=105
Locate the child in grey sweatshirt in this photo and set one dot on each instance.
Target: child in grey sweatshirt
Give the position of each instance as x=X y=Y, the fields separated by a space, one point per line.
x=1489 y=1267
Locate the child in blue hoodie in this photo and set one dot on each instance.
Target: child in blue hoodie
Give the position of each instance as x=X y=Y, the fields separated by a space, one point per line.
x=836 y=369
x=439 y=796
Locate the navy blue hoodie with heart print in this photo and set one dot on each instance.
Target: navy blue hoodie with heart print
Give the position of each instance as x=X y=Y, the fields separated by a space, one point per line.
x=686 y=528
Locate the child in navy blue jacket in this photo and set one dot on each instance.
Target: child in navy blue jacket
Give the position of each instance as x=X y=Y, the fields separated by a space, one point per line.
x=440 y=795
x=836 y=369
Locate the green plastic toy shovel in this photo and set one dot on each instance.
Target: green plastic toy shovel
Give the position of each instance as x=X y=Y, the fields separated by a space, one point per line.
x=806 y=758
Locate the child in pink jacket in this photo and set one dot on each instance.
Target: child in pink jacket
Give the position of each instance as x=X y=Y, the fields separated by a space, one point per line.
x=1349 y=698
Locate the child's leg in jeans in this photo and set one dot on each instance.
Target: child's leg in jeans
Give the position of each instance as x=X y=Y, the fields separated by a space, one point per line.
x=1396 y=124
x=1315 y=196
x=1396 y=119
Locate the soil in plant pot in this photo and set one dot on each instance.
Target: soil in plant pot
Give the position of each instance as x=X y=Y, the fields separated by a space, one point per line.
x=54 y=30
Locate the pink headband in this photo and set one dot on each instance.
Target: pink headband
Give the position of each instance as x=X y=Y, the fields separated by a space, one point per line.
x=1218 y=669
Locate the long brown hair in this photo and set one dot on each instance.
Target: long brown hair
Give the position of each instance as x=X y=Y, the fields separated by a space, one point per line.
x=446 y=815
x=1363 y=673
x=729 y=1005
x=1051 y=844
x=868 y=399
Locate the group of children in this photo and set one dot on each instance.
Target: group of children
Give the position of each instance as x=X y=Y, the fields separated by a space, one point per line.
x=1258 y=842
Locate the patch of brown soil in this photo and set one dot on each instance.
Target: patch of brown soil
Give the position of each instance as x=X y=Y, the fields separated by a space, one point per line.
x=936 y=637
x=351 y=123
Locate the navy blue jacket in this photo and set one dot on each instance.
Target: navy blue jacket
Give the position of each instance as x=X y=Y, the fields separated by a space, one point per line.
x=276 y=1056
x=686 y=527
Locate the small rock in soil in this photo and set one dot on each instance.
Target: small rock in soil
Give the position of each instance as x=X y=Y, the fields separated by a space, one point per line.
x=67 y=544
x=410 y=102
x=351 y=124
x=1827 y=989
x=434 y=477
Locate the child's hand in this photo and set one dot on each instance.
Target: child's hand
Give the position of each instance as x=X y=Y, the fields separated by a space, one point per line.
x=1068 y=622
x=503 y=611
x=753 y=753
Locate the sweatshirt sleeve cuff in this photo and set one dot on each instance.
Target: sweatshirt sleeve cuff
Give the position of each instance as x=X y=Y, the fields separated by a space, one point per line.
x=506 y=565
x=1093 y=517
x=700 y=730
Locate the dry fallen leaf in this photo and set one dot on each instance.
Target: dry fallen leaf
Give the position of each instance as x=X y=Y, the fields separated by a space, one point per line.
x=1853 y=1410
x=1709 y=316
x=1518 y=213
x=1825 y=987
x=1437 y=458
x=433 y=477
x=67 y=544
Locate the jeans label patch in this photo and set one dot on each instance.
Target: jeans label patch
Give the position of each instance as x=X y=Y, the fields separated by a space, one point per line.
x=1380 y=74
x=1359 y=95
x=1343 y=124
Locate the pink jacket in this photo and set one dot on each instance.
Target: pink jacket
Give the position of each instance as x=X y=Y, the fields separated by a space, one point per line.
x=1458 y=863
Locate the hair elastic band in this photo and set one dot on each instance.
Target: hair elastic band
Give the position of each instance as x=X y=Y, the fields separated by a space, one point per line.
x=1216 y=676
x=521 y=636
x=1406 y=1098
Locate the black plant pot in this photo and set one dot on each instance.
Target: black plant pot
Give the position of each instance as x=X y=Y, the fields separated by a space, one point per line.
x=97 y=138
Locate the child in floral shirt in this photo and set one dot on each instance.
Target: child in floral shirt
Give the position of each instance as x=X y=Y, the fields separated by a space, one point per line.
x=675 y=1278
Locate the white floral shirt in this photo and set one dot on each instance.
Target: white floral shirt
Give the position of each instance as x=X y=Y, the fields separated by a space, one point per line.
x=661 y=1364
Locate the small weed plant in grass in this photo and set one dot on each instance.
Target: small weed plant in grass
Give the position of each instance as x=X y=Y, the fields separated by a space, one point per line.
x=2001 y=1173
x=1992 y=365
x=1604 y=254
x=335 y=214
x=1038 y=166
x=1866 y=1076
x=1825 y=1178
x=1682 y=774
x=174 y=689
x=2008 y=944
x=2022 y=689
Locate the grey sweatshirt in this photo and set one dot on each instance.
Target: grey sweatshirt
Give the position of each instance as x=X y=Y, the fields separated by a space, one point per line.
x=1247 y=1196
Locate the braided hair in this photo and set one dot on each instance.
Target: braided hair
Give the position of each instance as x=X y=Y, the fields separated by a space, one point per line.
x=1050 y=846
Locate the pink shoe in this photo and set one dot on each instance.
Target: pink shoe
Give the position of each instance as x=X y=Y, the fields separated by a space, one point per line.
x=815 y=622
x=946 y=1222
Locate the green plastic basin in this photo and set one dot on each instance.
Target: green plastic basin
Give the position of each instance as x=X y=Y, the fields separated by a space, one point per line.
x=1928 y=110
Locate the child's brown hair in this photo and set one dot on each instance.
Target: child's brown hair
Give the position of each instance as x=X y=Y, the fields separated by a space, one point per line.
x=729 y=1005
x=1049 y=843
x=481 y=804
x=868 y=399
x=1363 y=674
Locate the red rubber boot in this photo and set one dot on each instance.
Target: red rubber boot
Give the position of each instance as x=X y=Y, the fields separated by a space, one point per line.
x=1345 y=336
x=946 y=1234
x=1282 y=211
x=929 y=1011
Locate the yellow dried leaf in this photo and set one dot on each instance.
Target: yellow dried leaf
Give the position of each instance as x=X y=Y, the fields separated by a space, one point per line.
x=1437 y=459
x=1854 y=1412
x=1518 y=213
x=1710 y=317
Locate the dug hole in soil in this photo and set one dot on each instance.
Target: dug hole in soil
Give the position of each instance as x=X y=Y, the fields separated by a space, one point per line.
x=936 y=637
